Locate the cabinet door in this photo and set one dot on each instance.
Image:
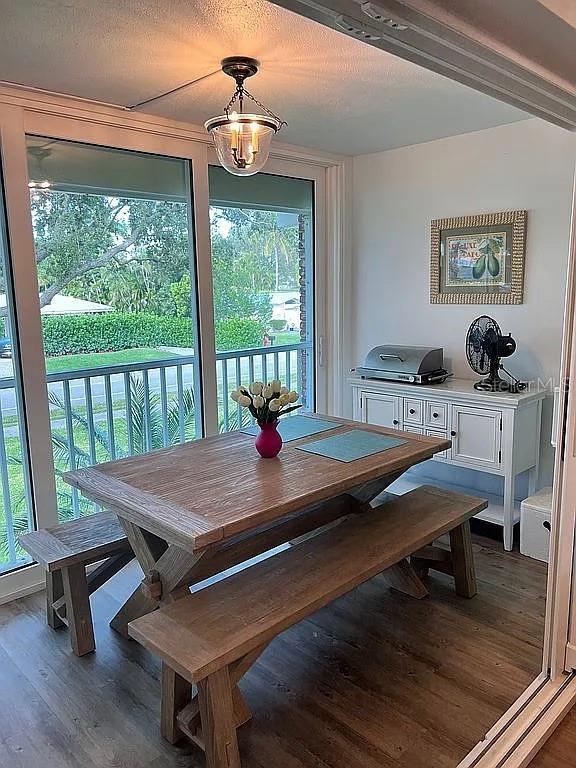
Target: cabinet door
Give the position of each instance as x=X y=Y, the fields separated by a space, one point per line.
x=476 y=437
x=380 y=410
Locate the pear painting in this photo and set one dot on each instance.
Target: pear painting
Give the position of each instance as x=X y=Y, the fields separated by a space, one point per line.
x=476 y=259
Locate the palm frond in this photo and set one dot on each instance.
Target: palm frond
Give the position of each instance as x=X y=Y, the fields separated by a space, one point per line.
x=63 y=455
x=188 y=416
x=146 y=417
x=100 y=434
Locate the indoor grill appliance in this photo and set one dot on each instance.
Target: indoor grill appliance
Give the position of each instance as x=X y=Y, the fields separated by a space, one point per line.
x=412 y=365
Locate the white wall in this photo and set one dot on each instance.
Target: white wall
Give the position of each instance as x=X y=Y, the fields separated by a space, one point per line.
x=527 y=165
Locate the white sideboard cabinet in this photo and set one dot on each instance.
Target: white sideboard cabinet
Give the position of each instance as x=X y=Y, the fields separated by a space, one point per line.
x=495 y=432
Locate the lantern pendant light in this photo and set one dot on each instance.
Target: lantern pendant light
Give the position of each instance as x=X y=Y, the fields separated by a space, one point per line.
x=243 y=139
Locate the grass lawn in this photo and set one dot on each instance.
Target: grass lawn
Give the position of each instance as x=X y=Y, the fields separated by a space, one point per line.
x=98 y=359
x=286 y=337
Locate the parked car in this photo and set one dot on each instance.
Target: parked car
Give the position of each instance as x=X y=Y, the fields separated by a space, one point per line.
x=5 y=347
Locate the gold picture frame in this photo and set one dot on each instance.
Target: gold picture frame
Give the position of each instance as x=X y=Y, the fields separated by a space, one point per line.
x=478 y=259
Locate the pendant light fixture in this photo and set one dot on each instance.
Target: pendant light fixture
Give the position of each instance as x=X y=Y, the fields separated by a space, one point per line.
x=243 y=139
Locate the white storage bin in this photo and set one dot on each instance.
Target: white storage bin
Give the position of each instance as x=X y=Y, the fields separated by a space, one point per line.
x=535 y=515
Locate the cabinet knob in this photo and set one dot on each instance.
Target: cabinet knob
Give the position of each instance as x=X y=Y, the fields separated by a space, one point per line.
x=412 y=411
x=395 y=422
x=453 y=433
x=434 y=415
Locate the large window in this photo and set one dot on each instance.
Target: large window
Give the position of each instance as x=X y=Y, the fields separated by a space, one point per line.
x=140 y=286
x=113 y=240
x=262 y=273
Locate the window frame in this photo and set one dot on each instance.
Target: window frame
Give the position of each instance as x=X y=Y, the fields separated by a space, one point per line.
x=316 y=175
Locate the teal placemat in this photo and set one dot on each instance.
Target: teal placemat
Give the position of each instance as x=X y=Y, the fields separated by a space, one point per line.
x=352 y=445
x=295 y=427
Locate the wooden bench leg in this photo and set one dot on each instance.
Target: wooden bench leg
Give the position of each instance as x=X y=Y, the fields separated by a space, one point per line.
x=403 y=578
x=463 y=560
x=176 y=693
x=54 y=592
x=78 y=613
x=218 y=722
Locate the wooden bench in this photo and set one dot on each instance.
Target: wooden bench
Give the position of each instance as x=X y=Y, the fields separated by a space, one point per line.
x=64 y=551
x=212 y=637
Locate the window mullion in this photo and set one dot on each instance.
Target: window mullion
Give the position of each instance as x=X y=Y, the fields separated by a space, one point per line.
x=207 y=343
x=30 y=352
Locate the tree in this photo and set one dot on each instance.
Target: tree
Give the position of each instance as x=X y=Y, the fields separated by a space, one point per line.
x=135 y=254
x=95 y=245
x=264 y=248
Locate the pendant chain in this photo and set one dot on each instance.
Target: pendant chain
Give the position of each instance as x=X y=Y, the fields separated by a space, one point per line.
x=239 y=94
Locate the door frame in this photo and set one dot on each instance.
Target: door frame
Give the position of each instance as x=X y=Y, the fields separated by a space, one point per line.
x=520 y=733
x=24 y=111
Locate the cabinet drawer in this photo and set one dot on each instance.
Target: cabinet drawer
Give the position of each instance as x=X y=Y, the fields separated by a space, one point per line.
x=436 y=415
x=443 y=455
x=413 y=411
x=416 y=430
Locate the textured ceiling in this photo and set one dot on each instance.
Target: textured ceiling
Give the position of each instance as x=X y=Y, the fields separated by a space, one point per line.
x=336 y=93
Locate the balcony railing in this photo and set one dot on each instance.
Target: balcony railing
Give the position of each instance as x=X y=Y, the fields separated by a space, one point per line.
x=105 y=413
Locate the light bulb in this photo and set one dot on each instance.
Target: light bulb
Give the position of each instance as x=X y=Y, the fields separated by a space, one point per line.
x=255 y=137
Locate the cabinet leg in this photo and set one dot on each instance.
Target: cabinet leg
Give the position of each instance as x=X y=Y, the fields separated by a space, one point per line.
x=509 y=513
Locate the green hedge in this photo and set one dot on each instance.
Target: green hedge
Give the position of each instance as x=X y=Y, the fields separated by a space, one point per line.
x=238 y=333
x=75 y=334
x=78 y=334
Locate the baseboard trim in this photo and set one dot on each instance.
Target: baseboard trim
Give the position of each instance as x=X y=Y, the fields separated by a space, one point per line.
x=526 y=726
x=21 y=582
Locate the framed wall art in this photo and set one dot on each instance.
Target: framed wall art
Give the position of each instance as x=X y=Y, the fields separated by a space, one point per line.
x=478 y=259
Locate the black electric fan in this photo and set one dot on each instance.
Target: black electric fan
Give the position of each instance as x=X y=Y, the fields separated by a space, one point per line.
x=485 y=346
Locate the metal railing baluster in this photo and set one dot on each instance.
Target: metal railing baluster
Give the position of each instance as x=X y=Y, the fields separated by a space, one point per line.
x=128 y=412
x=90 y=420
x=109 y=416
x=147 y=414
x=225 y=410
x=276 y=365
x=70 y=442
x=180 y=390
x=287 y=376
x=238 y=383
x=164 y=407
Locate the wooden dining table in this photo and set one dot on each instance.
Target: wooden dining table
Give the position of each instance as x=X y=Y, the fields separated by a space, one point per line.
x=196 y=509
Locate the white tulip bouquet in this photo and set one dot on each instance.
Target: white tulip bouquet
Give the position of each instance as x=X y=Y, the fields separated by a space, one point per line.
x=266 y=402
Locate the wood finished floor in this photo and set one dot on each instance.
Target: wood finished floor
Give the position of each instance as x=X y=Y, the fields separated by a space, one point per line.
x=375 y=680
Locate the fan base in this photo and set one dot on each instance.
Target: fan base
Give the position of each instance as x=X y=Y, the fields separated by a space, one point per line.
x=493 y=384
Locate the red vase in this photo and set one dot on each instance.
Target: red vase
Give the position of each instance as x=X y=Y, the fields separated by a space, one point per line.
x=268 y=443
